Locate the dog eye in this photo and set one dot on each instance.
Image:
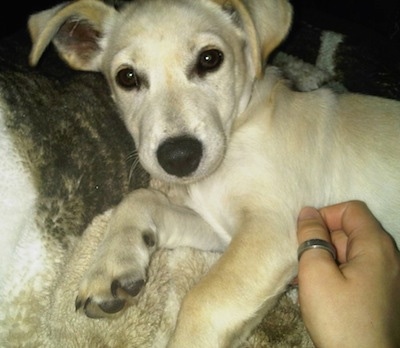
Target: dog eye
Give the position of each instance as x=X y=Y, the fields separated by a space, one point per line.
x=128 y=78
x=208 y=61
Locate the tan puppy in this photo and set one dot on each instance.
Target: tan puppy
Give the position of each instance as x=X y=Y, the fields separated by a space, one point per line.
x=235 y=151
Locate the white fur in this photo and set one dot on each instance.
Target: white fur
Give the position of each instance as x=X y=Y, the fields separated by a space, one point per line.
x=25 y=264
x=22 y=252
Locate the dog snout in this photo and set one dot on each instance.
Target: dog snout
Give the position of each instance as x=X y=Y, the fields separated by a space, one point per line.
x=180 y=156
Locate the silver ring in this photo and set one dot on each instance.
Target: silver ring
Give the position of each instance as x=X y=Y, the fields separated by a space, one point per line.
x=316 y=244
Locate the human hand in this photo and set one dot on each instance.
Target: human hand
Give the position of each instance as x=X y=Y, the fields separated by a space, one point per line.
x=356 y=301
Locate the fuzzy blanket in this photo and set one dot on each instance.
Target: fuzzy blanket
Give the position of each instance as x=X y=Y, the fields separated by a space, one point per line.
x=81 y=162
x=150 y=321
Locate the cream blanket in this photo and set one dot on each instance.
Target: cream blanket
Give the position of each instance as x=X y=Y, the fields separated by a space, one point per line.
x=49 y=318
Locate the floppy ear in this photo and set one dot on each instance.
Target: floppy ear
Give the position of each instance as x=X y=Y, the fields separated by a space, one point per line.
x=266 y=24
x=74 y=28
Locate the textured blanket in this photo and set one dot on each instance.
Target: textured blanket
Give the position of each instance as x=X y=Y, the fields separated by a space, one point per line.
x=80 y=161
x=148 y=323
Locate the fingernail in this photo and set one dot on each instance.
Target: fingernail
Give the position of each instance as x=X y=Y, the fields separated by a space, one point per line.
x=308 y=213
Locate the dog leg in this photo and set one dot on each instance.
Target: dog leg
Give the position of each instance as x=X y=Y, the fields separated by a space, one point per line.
x=233 y=297
x=144 y=221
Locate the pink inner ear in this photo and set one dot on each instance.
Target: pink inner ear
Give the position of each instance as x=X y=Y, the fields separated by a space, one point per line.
x=78 y=36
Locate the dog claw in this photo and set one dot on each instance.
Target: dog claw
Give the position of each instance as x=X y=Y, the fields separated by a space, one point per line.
x=78 y=304
x=132 y=287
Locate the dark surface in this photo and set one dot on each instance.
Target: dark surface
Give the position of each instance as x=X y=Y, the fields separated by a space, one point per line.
x=373 y=22
x=369 y=17
x=12 y=20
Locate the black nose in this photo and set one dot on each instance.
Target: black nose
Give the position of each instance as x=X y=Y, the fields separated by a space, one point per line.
x=180 y=156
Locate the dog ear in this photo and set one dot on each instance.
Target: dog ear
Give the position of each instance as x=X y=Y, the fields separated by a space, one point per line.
x=74 y=28
x=266 y=24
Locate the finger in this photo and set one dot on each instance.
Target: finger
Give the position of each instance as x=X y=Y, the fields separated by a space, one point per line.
x=362 y=229
x=340 y=241
x=310 y=225
x=351 y=217
x=315 y=265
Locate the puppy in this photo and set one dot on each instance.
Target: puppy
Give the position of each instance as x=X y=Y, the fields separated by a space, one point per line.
x=233 y=152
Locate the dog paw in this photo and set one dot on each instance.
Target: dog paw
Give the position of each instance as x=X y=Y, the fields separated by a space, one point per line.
x=109 y=301
x=117 y=276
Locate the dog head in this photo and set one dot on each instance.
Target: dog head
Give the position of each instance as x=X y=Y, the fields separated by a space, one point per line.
x=180 y=71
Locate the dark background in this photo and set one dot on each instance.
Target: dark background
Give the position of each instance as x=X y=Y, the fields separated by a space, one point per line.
x=379 y=18
x=15 y=19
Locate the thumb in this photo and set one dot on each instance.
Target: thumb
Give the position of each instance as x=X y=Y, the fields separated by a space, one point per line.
x=311 y=225
x=314 y=262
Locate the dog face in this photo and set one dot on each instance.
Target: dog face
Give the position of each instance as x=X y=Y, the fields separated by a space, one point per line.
x=179 y=83
x=180 y=71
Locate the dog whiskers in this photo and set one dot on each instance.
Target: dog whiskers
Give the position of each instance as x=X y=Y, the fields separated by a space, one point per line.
x=133 y=156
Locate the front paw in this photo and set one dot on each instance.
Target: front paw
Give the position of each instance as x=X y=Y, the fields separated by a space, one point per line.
x=118 y=273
